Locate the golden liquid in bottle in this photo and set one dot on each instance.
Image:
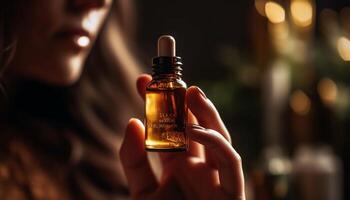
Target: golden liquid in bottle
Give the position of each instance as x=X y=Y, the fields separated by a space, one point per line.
x=166 y=116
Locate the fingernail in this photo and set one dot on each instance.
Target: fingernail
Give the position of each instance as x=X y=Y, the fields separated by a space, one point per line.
x=131 y=119
x=201 y=92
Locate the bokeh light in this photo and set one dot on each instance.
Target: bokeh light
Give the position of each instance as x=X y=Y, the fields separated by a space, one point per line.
x=302 y=12
x=300 y=102
x=274 y=12
x=260 y=6
x=343 y=46
x=328 y=91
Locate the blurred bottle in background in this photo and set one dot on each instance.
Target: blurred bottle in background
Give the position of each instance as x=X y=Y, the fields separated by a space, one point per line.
x=317 y=174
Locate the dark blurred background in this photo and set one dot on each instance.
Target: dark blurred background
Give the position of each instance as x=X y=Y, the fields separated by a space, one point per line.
x=278 y=73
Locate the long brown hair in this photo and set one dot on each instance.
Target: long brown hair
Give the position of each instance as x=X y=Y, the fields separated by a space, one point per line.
x=76 y=129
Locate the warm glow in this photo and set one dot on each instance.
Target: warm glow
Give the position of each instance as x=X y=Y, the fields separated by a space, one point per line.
x=83 y=41
x=344 y=48
x=274 y=12
x=280 y=37
x=300 y=103
x=260 y=6
x=280 y=31
x=302 y=12
x=328 y=91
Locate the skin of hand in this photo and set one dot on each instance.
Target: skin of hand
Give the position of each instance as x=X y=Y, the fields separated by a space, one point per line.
x=210 y=169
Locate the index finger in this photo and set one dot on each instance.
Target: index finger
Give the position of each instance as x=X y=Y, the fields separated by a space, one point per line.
x=205 y=112
x=141 y=84
x=227 y=160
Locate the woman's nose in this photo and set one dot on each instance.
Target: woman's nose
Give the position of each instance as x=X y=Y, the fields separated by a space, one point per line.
x=83 y=5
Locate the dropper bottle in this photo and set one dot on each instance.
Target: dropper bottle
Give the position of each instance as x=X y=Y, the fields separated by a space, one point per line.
x=165 y=103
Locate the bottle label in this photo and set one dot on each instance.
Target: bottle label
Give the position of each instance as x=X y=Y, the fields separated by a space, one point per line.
x=165 y=118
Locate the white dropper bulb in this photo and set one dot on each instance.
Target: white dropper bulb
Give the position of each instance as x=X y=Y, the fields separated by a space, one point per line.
x=166 y=46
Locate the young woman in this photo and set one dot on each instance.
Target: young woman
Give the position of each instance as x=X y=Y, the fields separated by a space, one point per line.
x=64 y=108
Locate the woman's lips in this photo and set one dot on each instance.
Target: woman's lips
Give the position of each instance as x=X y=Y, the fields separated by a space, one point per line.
x=74 y=39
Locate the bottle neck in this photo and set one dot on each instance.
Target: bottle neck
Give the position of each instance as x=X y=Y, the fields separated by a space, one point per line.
x=166 y=76
x=167 y=67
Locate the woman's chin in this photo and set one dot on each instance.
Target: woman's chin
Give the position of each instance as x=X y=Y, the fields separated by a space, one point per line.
x=66 y=71
x=62 y=81
x=63 y=78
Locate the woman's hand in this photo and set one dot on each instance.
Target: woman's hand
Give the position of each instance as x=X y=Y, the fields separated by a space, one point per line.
x=210 y=169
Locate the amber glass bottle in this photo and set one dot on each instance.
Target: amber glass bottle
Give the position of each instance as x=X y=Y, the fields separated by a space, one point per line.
x=165 y=109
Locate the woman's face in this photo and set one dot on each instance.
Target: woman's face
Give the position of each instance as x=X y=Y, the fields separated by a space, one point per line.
x=55 y=37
